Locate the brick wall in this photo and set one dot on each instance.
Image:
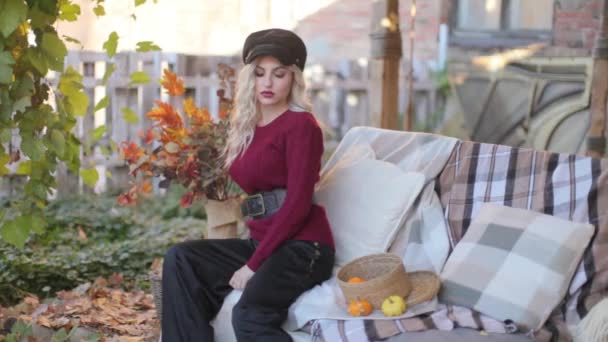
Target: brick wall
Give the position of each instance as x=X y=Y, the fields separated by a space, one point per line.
x=576 y=23
x=575 y=26
x=341 y=30
x=427 y=27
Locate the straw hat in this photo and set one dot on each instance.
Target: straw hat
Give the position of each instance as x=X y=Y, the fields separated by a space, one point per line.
x=385 y=276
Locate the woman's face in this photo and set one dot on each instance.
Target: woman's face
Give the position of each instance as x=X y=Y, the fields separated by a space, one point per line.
x=272 y=81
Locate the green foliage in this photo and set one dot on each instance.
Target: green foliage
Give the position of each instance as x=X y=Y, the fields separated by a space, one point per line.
x=129 y=115
x=54 y=49
x=6 y=70
x=12 y=232
x=109 y=71
x=90 y=236
x=441 y=79
x=46 y=137
x=70 y=84
x=111 y=44
x=145 y=46
x=168 y=207
x=20 y=331
x=139 y=77
x=29 y=48
x=99 y=10
x=96 y=215
x=12 y=13
x=98 y=133
x=89 y=176
x=72 y=40
x=68 y=11
x=103 y=103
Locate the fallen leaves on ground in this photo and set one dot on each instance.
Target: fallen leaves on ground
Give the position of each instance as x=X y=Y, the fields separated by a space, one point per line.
x=102 y=306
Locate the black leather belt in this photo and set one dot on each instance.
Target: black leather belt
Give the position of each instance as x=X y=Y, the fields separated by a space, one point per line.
x=263 y=204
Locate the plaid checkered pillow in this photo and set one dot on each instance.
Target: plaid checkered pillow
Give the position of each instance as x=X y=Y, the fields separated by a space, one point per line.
x=514 y=264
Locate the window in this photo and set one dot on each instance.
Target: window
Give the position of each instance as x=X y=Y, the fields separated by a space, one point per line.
x=501 y=22
x=531 y=15
x=479 y=14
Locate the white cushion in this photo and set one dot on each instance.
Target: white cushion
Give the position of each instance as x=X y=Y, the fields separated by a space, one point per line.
x=366 y=201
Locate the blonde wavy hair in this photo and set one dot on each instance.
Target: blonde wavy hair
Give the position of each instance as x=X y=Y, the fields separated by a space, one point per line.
x=245 y=113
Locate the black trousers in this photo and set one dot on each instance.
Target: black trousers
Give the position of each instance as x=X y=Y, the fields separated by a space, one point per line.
x=195 y=283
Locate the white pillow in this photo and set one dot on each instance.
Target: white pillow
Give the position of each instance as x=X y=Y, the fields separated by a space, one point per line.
x=366 y=201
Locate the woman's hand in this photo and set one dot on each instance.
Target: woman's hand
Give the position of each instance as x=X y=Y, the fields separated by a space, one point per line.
x=241 y=277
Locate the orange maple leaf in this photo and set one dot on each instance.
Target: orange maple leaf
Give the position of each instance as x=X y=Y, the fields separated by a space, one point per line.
x=146 y=186
x=199 y=116
x=173 y=85
x=150 y=136
x=129 y=197
x=165 y=115
x=130 y=151
x=190 y=107
x=176 y=134
x=126 y=199
x=224 y=114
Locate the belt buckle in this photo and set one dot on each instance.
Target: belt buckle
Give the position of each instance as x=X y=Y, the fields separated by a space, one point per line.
x=251 y=209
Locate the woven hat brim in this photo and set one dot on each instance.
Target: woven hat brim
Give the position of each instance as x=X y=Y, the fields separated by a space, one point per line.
x=425 y=286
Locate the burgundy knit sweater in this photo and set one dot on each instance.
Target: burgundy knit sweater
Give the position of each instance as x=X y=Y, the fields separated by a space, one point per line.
x=285 y=153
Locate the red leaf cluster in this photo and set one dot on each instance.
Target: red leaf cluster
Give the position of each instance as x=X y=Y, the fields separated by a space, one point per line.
x=187 y=150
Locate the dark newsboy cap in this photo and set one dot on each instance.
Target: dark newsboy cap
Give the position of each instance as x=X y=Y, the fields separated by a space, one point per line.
x=284 y=45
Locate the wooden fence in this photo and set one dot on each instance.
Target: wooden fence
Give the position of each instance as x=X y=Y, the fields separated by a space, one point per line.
x=340 y=100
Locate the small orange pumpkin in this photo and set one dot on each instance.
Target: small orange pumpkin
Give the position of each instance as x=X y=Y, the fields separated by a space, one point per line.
x=360 y=307
x=355 y=280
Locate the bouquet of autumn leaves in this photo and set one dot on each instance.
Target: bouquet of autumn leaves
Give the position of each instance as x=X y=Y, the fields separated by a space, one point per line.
x=189 y=154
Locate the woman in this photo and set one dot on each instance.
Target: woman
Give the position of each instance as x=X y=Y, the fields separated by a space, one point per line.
x=274 y=153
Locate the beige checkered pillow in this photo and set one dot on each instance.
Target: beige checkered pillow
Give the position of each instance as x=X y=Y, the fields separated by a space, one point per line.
x=514 y=264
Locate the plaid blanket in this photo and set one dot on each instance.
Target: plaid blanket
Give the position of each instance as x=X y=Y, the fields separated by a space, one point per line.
x=446 y=317
x=566 y=186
